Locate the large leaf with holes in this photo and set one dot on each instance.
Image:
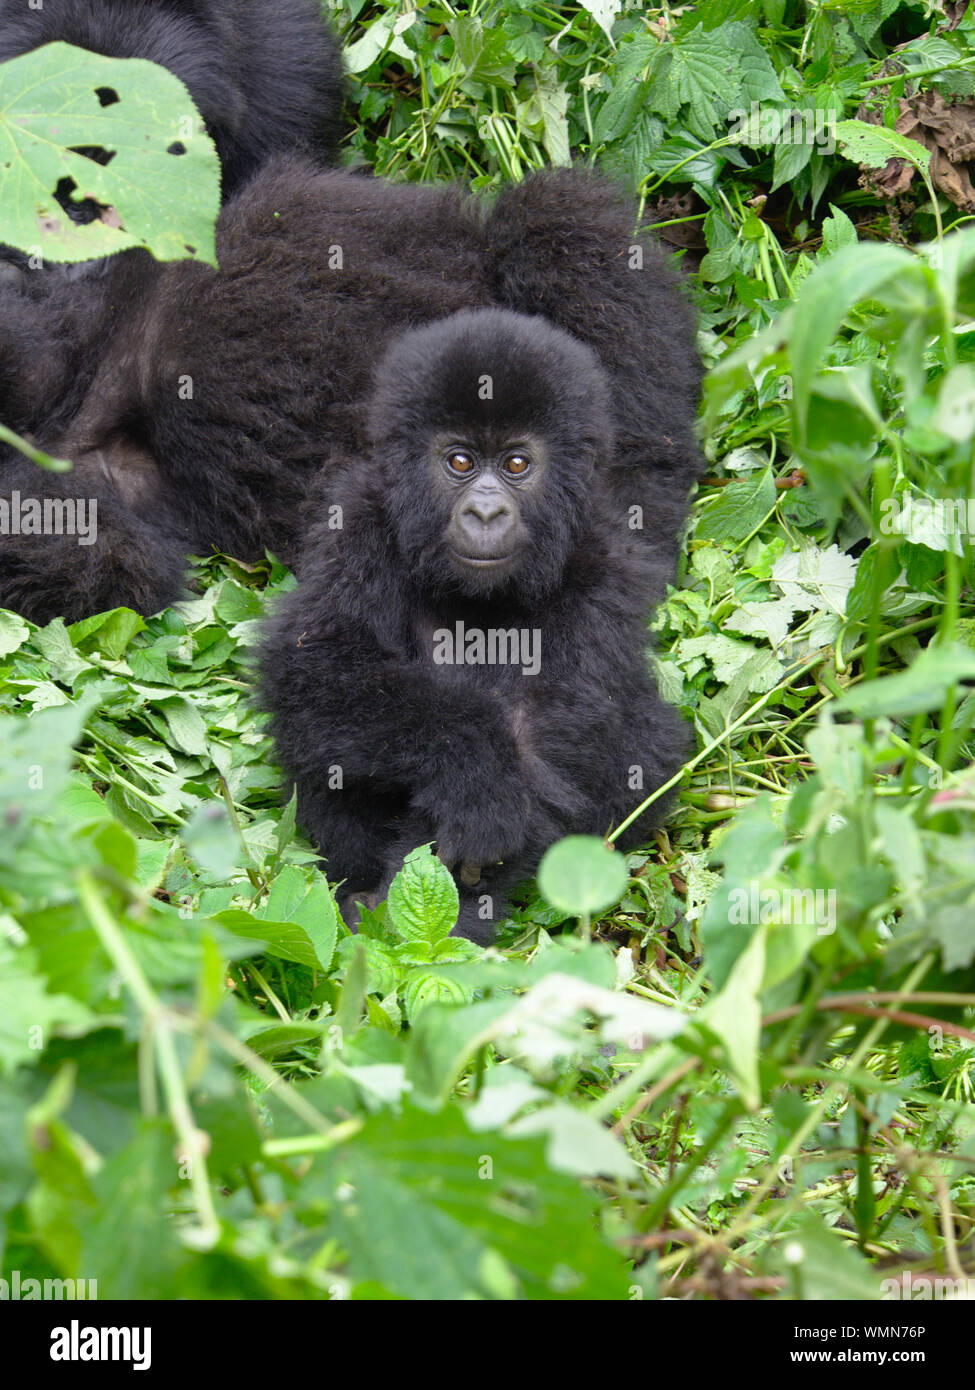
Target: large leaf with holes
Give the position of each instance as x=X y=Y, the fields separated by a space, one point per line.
x=119 y=143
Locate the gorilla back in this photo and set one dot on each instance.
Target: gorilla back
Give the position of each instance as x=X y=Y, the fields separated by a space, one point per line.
x=220 y=395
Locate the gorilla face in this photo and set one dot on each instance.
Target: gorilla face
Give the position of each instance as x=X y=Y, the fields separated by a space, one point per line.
x=486 y=485
x=487 y=427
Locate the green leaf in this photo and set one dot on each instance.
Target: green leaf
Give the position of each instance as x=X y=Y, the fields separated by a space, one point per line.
x=576 y=1142
x=700 y=75
x=826 y=297
x=306 y=934
x=423 y=901
x=922 y=687
x=211 y=838
x=874 y=145
x=29 y=1016
x=114 y=630
x=735 y=1017
x=819 y=1265
x=433 y=1211
x=619 y=112
x=582 y=876
x=161 y=187
x=35 y=768
x=13 y=632
x=423 y=989
x=604 y=12
x=185 y=724
x=738 y=509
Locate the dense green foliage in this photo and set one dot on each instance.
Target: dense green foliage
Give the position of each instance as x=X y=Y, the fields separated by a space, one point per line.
x=715 y=1087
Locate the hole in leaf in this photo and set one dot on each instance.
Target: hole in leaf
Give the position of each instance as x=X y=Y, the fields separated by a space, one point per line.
x=106 y=95
x=97 y=153
x=82 y=211
x=177 y=147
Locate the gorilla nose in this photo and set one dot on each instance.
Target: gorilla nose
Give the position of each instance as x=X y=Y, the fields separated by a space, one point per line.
x=487 y=509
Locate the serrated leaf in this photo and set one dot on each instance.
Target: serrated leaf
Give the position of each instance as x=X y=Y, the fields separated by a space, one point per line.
x=423 y=902
x=13 y=632
x=813 y=579
x=738 y=510
x=874 y=145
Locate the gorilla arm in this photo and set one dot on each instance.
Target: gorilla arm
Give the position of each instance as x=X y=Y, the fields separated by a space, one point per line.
x=390 y=723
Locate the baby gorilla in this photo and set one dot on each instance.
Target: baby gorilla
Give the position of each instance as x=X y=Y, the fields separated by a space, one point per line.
x=463 y=661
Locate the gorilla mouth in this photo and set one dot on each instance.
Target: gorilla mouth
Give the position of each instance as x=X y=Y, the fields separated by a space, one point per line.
x=484 y=562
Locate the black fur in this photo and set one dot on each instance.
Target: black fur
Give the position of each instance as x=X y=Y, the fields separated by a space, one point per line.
x=390 y=748
x=320 y=272
x=267 y=78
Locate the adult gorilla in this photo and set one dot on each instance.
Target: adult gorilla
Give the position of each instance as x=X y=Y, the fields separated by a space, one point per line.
x=216 y=399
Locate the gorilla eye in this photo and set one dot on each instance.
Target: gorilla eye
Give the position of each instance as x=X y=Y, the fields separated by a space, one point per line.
x=459 y=462
x=517 y=465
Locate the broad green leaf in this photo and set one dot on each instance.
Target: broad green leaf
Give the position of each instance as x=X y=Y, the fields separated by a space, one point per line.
x=307 y=936
x=156 y=181
x=113 y=632
x=13 y=632
x=874 y=145
x=29 y=1015
x=923 y=686
x=738 y=510
x=582 y=876
x=35 y=768
x=818 y=1264
x=213 y=842
x=434 y=1211
x=855 y=273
